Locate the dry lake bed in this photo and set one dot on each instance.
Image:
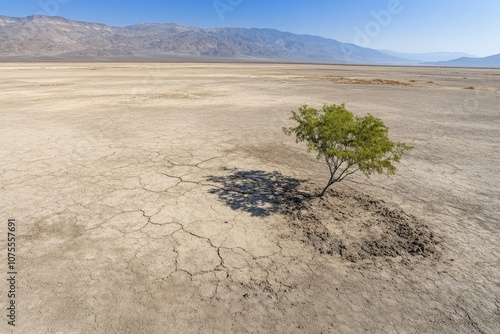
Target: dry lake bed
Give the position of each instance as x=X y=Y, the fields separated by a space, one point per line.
x=160 y=198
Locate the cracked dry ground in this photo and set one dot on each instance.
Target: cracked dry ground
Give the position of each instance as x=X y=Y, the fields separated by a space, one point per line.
x=131 y=217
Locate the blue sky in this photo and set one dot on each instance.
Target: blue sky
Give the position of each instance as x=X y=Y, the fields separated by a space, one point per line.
x=471 y=26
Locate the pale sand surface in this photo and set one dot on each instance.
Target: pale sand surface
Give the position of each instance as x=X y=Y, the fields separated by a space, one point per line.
x=122 y=179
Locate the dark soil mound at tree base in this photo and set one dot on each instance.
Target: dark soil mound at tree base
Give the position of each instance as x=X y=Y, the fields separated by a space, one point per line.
x=358 y=227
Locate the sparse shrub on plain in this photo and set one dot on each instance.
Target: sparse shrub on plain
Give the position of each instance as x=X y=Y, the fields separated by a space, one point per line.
x=347 y=143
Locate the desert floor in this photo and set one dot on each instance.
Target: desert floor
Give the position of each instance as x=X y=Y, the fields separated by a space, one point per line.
x=159 y=198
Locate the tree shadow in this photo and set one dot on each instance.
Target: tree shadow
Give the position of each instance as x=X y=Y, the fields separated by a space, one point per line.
x=258 y=192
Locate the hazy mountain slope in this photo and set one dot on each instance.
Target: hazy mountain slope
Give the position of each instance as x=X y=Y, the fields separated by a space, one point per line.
x=491 y=61
x=427 y=57
x=44 y=37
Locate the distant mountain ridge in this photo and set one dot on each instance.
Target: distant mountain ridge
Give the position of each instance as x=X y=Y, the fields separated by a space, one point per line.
x=491 y=61
x=428 y=56
x=56 y=38
x=51 y=38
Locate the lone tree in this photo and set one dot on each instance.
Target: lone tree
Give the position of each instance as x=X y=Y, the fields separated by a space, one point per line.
x=347 y=143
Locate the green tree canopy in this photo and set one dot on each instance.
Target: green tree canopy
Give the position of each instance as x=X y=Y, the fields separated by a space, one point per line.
x=348 y=143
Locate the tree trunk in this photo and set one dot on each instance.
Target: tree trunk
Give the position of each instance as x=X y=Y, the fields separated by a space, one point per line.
x=324 y=190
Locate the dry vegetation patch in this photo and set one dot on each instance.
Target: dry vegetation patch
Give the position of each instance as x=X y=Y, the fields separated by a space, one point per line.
x=354 y=81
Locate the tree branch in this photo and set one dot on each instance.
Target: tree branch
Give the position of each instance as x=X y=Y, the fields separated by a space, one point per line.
x=350 y=173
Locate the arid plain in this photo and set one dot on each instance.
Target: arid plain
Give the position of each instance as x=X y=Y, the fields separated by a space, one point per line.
x=155 y=198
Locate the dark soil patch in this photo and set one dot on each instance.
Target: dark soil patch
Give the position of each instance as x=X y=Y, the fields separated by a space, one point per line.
x=358 y=227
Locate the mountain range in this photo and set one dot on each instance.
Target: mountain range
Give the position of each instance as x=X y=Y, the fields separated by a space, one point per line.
x=491 y=61
x=50 y=38
x=429 y=56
